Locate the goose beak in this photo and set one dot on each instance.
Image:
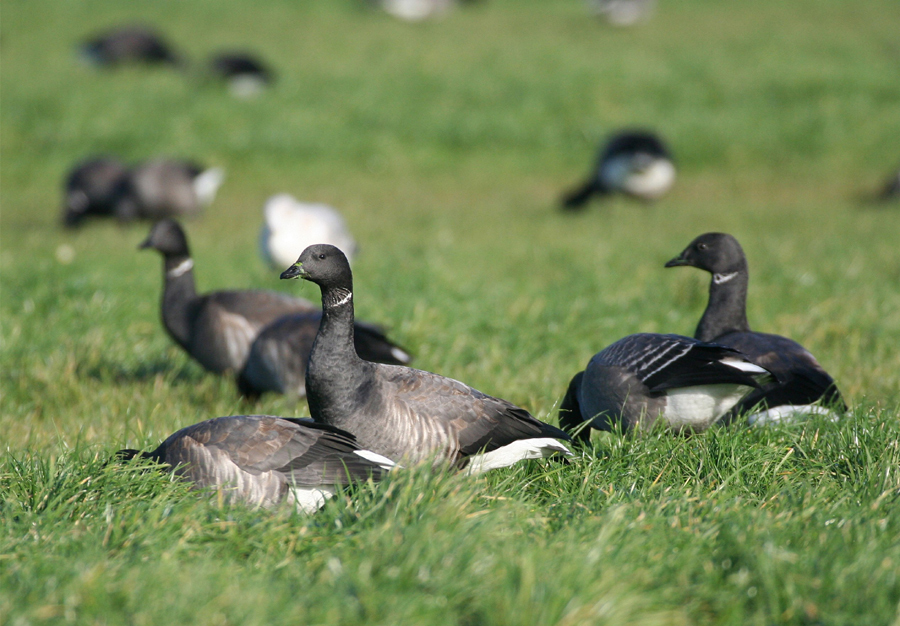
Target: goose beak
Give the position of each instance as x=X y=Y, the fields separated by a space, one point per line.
x=678 y=261
x=294 y=271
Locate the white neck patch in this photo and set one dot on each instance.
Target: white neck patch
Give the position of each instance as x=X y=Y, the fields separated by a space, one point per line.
x=181 y=268
x=718 y=279
x=340 y=297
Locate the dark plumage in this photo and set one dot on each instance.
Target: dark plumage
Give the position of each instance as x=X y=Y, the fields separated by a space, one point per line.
x=245 y=73
x=263 y=460
x=635 y=163
x=397 y=411
x=801 y=381
x=891 y=189
x=278 y=357
x=93 y=187
x=129 y=44
x=646 y=378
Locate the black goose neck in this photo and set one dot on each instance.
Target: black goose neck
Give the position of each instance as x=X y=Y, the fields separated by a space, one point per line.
x=726 y=310
x=179 y=295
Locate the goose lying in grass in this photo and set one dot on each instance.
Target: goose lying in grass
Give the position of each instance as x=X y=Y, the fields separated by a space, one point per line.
x=129 y=44
x=291 y=226
x=407 y=415
x=635 y=163
x=93 y=187
x=245 y=73
x=263 y=460
x=219 y=329
x=647 y=378
x=802 y=385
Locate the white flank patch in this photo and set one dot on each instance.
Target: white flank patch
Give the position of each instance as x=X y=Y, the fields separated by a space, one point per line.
x=181 y=268
x=744 y=366
x=207 y=183
x=790 y=413
x=700 y=406
x=514 y=452
x=376 y=458
x=310 y=500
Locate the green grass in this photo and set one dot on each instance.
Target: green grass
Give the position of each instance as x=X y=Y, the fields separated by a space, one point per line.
x=446 y=145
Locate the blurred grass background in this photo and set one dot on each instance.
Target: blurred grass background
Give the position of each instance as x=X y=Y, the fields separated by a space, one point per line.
x=447 y=145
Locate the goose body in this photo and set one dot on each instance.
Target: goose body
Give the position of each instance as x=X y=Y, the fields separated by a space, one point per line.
x=646 y=378
x=93 y=188
x=405 y=414
x=129 y=44
x=800 y=381
x=167 y=188
x=245 y=73
x=263 y=460
x=291 y=226
x=634 y=163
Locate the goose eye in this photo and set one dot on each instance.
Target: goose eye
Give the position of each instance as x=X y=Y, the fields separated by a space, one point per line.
x=702 y=246
x=322 y=256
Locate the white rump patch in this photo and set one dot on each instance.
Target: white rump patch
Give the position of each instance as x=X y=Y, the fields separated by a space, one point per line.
x=181 y=268
x=310 y=500
x=744 y=366
x=400 y=355
x=723 y=278
x=207 y=183
x=382 y=461
x=789 y=413
x=701 y=406
x=514 y=452
x=650 y=182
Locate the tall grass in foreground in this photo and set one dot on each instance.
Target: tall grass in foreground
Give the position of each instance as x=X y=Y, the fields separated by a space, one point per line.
x=447 y=145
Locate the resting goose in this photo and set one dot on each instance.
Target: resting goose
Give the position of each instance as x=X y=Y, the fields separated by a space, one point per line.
x=93 y=187
x=801 y=381
x=129 y=44
x=407 y=415
x=163 y=188
x=263 y=460
x=635 y=163
x=290 y=226
x=245 y=73
x=646 y=378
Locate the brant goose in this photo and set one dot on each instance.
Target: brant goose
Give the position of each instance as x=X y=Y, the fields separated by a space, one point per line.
x=647 y=378
x=129 y=44
x=219 y=329
x=92 y=188
x=245 y=73
x=633 y=162
x=291 y=226
x=801 y=381
x=167 y=188
x=278 y=356
x=624 y=12
x=407 y=415
x=263 y=460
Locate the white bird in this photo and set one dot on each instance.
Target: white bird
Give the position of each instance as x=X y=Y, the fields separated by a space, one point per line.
x=291 y=226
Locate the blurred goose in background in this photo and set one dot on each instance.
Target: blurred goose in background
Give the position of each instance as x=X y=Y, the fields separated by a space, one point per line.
x=129 y=44
x=635 y=163
x=801 y=382
x=245 y=73
x=648 y=378
x=291 y=226
x=263 y=460
x=93 y=188
x=623 y=12
x=399 y=412
x=167 y=188
x=891 y=189
x=218 y=329
x=416 y=10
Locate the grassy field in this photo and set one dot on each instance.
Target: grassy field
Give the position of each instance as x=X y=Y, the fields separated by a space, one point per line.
x=447 y=145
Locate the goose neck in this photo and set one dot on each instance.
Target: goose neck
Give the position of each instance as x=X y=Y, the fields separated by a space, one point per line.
x=726 y=310
x=179 y=295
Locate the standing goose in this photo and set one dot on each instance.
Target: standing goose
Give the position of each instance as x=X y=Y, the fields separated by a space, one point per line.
x=219 y=328
x=646 y=378
x=801 y=381
x=399 y=412
x=635 y=163
x=263 y=460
